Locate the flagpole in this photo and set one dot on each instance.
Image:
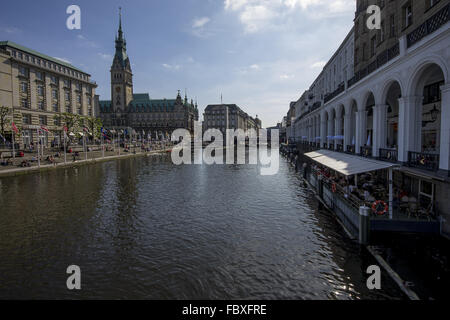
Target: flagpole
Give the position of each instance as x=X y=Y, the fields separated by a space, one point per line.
x=65 y=155
x=103 y=148
x=38 y=153
x=12 y=132
x=84 y=146
x=13 y=147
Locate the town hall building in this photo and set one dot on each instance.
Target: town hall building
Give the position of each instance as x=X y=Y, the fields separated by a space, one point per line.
x=138 y=111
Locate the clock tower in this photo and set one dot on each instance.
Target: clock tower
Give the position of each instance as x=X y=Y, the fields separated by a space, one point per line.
x=121 y=75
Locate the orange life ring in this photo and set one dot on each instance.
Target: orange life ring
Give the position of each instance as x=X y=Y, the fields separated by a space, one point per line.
x=380 y=207
x=333 y=187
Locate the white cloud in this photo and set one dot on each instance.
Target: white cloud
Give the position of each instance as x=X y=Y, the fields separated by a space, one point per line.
x=257 y=15
x=105 y=56
x=85 y=42
x=198 y=27
x=235 y=4
x=200 y=22
x=318 y=64
x=286 y=76
x=63 y=60
x=10 y=30
x=172 y=67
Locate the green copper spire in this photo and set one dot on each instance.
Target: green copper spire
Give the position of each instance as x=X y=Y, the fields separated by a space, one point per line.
x=120 y=23
x=121 y=45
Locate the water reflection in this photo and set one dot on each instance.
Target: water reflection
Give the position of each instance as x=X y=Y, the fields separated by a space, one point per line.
x=145 y=229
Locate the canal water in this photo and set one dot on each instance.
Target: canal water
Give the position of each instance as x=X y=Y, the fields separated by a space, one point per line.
x=144 y=228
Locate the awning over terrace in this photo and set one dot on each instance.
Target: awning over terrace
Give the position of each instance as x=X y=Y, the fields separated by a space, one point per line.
x=347 y=164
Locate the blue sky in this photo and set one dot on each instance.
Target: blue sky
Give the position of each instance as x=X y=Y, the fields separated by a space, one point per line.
x=260 y=54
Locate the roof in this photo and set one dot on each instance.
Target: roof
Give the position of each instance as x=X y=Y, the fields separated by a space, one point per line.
x=143 y=103
x=38 y=54
x=347 y=164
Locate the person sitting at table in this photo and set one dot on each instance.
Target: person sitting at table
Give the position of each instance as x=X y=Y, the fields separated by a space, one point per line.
x=368 y=196
x=25 y=163
x=50 y=159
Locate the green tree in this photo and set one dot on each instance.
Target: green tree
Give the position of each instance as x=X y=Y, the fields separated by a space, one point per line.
x=4 y=113
x=94 y=125
x=68 y=120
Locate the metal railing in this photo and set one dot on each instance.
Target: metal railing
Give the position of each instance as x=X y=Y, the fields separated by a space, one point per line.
x=426 y=161
x=351 y=149
x=366 y=152
x=388 y=155
x=339 y=90
x=429 y=26
x=381 y=60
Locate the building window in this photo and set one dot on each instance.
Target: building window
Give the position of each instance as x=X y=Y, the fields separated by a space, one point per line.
x=57 y=121
x=43 y=120
x=55 y=94
x=382 y=32
x=54 y=79
x=23 y=87
x=41 y=105
x=40 y=91
x=373 y=46
x=23 y=71
x=79 y=110
x=55 y=107
x=392 y=26
x=26 y=119
x=364 y=52
x=78 y=98
x=24 y=103
x=67 y=95
x=39 y=76
x=408 y=15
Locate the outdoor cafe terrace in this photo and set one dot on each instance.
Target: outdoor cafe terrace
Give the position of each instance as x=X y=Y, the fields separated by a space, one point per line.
x=347 y=182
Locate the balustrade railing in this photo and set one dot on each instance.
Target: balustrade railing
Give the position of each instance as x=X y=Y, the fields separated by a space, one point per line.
x=388 y=155
x=429 y=26
x=425 y=161
x=381 y=60
x=366 y=152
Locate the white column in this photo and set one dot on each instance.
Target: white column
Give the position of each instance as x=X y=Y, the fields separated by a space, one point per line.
x=409 y=126
x=330 y=130
x=361 y=130
x=347 y=131
x=444 y=162
x=323 y=132
x=310 y=131
x=337 y=128
x=379 y=128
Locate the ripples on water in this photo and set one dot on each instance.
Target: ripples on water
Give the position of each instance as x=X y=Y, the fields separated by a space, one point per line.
x=145 y=229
